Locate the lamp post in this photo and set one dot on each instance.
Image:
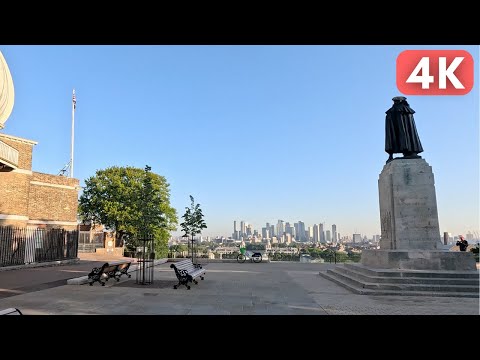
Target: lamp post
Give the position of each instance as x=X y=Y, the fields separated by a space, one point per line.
x=188 y=242
x=194 y=252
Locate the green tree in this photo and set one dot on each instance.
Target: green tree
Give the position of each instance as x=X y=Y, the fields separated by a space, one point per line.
x=130 y=201
x=179 y=248
x=193 y=220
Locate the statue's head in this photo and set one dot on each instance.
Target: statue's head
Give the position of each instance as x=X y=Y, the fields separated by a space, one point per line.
x=399 y=99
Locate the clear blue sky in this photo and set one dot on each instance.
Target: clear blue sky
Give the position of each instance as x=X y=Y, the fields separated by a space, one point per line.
x=254 y=133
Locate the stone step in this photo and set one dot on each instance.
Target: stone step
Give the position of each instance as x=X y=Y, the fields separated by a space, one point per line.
x=362 y=276
x=349 y=285
x=403 y=286
x=474 y=274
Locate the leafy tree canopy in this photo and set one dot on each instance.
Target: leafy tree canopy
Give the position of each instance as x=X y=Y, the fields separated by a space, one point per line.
x=129 y=201
x=193 y=219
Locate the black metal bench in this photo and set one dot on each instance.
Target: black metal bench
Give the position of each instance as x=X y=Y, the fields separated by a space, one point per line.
x=10 y=311
x=113 y=270
x=187 y=272
x=122 y=268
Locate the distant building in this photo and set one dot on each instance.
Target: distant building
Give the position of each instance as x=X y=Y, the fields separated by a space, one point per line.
x=316 y=234
x=289 y=229
x=322 y=234
x=265 y=233
x=357 y=238
x=280 y=228
x=334 y=233
x=249 y=230
x=288 y=238
x=329 y=238
x=301 y=231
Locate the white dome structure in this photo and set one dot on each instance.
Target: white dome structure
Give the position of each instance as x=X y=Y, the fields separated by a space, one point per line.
x=6 y=91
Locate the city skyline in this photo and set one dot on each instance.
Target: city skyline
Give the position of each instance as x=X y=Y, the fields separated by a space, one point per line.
x=333 y=227
x=259 y=132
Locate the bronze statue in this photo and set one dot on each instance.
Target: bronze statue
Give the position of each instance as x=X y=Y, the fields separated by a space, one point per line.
x=400 y=132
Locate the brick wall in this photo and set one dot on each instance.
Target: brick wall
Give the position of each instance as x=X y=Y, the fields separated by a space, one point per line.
x=54 y=179
x=36 y=196
x=14 y=191
x=53 y=203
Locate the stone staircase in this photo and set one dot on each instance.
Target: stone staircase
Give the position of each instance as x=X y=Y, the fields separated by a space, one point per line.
x=368 y=281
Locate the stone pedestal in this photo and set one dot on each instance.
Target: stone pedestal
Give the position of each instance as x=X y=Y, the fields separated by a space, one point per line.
x=411 y=260
x=408 y=206
x=419 y=260
x=409 y=222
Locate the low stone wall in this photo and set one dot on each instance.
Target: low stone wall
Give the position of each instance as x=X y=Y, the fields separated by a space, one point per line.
x=206 y=261
x=42 y=264
x=112 y=251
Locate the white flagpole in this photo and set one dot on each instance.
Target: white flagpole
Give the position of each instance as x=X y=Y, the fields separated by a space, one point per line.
x=74 y=101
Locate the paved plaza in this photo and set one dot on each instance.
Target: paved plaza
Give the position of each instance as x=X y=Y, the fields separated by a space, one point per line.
x=276 y=288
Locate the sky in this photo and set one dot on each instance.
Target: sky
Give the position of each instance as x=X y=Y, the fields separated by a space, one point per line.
x=253 y=133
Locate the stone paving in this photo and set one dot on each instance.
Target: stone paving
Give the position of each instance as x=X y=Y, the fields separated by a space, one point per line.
x=277 y=288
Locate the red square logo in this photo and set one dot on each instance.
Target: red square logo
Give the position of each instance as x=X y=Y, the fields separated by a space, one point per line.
x=435 y=72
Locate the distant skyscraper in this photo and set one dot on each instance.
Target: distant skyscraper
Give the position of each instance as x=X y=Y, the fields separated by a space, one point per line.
x=322 y=234
x=280 y=228
x=329 y=239
x=357 y=238
x=301 y=231
x=242 y=228
x=316 y=234
x=235 y=229
x=334 y=233
x=272 y=231
x=310 y=233
x=288 y=229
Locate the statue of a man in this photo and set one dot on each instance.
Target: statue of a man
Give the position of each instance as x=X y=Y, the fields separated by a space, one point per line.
x=400 y=132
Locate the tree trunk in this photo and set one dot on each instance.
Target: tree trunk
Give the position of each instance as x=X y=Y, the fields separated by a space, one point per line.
x=193 y=257
x=118 y=238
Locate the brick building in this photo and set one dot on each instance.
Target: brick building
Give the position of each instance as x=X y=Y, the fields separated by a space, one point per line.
x=29 y=198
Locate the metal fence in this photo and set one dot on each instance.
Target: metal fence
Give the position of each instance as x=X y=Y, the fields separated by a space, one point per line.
x=19 y=246
x=89 y=241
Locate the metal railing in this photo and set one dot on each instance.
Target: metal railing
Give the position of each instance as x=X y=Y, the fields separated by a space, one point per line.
x=89 y=241
x=20 y=246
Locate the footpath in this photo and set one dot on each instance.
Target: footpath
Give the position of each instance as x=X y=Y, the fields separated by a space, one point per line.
x=26 y=280
x=275 y=288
